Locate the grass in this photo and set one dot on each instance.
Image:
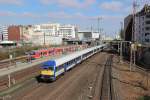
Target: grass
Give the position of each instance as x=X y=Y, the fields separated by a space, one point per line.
x=144 y=98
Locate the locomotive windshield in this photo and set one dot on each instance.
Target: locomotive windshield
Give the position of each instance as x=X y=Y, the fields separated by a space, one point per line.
x=32 y=53
x=49 y=68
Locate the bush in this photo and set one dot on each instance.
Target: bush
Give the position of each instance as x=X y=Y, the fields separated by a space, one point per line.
x=144 y=98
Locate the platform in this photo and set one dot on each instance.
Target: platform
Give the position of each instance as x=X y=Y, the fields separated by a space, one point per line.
x=22 y=66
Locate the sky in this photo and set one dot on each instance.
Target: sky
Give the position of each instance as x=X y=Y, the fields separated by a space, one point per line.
x=83 y=13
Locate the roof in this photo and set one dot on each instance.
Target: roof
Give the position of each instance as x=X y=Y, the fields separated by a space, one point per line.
x=145 y=10
x=67 y=58
x=7 y=42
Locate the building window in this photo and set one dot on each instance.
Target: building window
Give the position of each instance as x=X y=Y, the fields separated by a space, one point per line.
x=147 y=28
x=147 y=34
x=147 y=40
x=147 y=16
x=148 y=22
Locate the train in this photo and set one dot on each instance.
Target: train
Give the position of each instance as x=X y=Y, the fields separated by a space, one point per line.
x=52 y=69
x=36 y=54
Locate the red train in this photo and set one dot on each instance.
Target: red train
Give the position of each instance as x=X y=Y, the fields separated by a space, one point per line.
x=35 y=54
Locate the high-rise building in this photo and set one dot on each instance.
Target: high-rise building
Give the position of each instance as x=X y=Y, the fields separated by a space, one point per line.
x=26 y=33
x=40 y=39
x=14 y=33
x=141 y=35
x=48 y=29
x=1 y=37
x=67 y=31
x=55 y=29
x=142 y=25
x=20 y=33
x=88 y=35
x=4 y=32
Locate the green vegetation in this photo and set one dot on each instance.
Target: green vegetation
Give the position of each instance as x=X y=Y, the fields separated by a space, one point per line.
x=144 y=98
x=16 y=52
x=3 y=55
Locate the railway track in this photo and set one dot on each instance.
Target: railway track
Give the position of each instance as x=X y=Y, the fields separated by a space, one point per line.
x=106 y=91
x=81 y=79
x=12 y=62
x=18 y=77
x=90 y=80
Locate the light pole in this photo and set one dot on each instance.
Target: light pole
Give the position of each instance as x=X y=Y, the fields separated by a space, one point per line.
x=98 y=27
x=131 y=56
x=44 y=38
x=98 y=24
x=9 y=78
x=121 y=52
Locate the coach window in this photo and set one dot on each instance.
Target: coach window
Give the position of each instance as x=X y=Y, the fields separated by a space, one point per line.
x=32 y=53
x=60 y=67
x=57 y=68
x=50 y=52
x=43 y=53
x=76 y=59
x=68 y=63
x=72 y=61
x=50 y=68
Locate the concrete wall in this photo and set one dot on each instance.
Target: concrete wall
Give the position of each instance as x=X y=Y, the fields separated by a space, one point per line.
x=95 y=35
x=47 y=40
x=88 y=35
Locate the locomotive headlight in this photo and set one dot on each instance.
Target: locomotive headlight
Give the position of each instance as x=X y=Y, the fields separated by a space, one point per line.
x=47 y=72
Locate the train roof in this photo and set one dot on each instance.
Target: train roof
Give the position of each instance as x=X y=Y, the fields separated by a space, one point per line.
x=62 y=60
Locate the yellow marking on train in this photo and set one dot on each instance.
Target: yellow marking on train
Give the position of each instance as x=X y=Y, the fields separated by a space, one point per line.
x=47 y=72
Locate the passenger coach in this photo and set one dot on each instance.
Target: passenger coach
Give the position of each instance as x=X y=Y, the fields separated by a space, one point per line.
x=51 y=69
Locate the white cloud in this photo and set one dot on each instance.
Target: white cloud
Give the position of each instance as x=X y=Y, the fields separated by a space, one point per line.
x=63 y=15
x=107 y=22
x=14 y=2
x=23 y=14
x=58 y=15
x=112 y=6
x=72 y=3
x=6 y=13
x=29 y=15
